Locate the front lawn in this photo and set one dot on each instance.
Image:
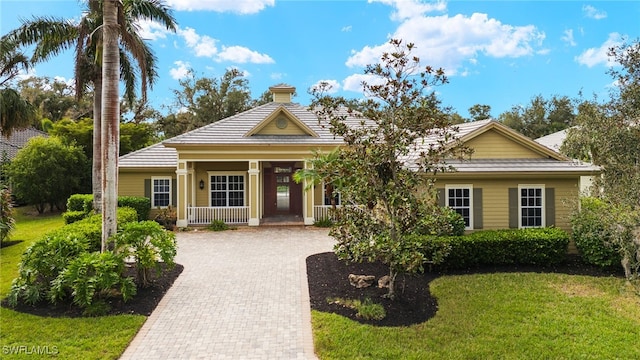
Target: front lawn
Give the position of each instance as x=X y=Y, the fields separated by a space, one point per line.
x=23 y=335
x=501 y=316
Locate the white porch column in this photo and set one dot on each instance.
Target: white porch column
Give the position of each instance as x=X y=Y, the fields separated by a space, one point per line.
x=254 y=193
x=182 y=195
x=308 y=199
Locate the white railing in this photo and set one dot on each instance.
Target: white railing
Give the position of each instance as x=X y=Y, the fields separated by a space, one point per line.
x=230 y=215
x=322 y=211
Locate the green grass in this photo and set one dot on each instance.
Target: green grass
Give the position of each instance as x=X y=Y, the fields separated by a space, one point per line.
x=501 y=316
x=67 y=338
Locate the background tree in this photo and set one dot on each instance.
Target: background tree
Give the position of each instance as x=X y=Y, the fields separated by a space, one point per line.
x=202 y=101
x=541 y=116
x=375 y=168
x=54 y=99
x=480 y=112
x=608 y=135
x=46 y=171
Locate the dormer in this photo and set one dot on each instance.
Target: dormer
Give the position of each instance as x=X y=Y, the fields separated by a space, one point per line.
x=282 y=93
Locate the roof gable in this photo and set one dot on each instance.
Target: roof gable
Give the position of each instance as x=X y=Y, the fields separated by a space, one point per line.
x=494 y=140
x=281 y=122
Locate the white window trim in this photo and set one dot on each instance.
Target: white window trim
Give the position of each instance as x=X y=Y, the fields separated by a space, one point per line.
x=324 y=193
x=461 y=186
x=543 y=213
x=227 y=173
x=153 y=193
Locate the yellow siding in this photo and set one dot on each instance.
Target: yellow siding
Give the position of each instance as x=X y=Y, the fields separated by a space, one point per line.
x=132 y=183
x=493 y=145
x=272 y=129
x=495 y=199
x=284 y=97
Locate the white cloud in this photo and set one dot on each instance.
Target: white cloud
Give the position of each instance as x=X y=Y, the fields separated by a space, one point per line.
x=346 y=28
x=595 y=56
x=329 y=86
x=406 y=9
x=593 y=13
x=240 y=54
x=152 y=30
x=235 y=6
x=445 y=41
x=354 y=82
x=276 y=76
x=202 y=45
x=568 y=37
x=181 y=70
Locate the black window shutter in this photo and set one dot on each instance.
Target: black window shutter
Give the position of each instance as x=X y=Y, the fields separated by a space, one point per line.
x=147 y=188
x=441 y=197
x=477 y=208
x=513 y=208
x=550 y=206
x=174 y=192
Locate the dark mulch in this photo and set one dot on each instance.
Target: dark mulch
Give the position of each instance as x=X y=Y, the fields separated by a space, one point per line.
x=143 y=303
x=328 y=278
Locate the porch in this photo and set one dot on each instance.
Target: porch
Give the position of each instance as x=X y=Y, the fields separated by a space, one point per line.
x=237 y=215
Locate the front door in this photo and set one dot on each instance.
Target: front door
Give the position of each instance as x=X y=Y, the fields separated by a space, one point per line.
x=282 y=195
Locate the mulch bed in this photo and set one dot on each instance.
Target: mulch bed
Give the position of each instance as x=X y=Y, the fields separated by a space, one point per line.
x=328 y=278
x=143 y=303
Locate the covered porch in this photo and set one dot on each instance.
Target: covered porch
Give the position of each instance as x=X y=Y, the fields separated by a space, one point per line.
x=249 y=192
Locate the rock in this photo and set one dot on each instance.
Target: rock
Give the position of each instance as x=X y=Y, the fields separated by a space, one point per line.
x=361 y=281
x=383 y=282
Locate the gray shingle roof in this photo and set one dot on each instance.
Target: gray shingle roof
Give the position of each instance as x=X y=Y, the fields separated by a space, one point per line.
x=523 y=165
x=12 y=144
x=553 y=141
x=153 y=156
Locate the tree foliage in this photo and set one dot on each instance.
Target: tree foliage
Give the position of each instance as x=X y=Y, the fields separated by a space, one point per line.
x=480 y=112
x=202 y=101
x=46 y=171
x=541 y=117
x=375 y=168
x=608 y=134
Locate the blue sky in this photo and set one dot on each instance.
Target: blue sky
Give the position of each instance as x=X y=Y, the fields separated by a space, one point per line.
x=497 y=53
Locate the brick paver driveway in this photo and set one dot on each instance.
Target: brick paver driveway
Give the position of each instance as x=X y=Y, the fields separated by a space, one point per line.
x=242 y=295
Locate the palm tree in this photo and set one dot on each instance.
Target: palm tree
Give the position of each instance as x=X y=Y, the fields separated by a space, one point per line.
x=110 y=118
x=53 y=36
x=15 y=112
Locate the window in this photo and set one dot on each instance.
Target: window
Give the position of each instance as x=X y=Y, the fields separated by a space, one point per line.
x=326 y=194
x=227 y=190
x=161 y=192
x=531 y=208
x=460 y=199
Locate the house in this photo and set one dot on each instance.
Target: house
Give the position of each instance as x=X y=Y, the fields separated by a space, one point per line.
x=554 y=141
x=10 y=145
x=240 y=169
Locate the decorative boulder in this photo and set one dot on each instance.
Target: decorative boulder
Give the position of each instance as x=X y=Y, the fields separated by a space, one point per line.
x=383 y=282
x=361 y=281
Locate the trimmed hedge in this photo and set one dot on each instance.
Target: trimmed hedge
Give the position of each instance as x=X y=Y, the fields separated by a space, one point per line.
x=72 y=216
x=80 y=202
x=142 y=205
x=540 y=246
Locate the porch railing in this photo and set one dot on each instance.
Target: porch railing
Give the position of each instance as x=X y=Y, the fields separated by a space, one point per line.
x=230 y=215
x=322 y=211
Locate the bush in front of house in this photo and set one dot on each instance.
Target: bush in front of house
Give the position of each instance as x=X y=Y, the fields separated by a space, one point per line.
x=80 y=202
x=592 y=233
x=141 y=204
x=147 y=242
x=442 y=222
x=540 y=246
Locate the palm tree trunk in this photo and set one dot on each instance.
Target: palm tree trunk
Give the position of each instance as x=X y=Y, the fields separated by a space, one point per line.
x=96 y=166
x=110 y=120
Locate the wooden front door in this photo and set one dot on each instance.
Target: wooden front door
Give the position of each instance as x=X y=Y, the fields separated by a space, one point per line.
x=282 y=196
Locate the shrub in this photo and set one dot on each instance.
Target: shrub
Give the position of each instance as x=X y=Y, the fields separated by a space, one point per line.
x=80 y=202
x=148 y=243
x=540 y=246
x=90 y=278
x=592 y=233
x=325 y=222
x=442 y=221
x=166 y=217
x=366 y=309
x=7 y=222
x=72 y=216
x=218 y=225
x=42 y=262
x=142 y=205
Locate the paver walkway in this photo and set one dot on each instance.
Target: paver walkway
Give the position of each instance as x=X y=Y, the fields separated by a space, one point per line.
x=242 y=295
